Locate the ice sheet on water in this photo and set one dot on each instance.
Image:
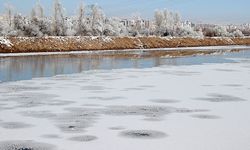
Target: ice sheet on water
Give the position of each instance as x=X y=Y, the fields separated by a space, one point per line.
x=25 y=145
x=162 y=106
x=143 y=134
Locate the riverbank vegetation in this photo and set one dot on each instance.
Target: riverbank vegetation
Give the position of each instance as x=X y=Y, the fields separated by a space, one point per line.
x=77 y=43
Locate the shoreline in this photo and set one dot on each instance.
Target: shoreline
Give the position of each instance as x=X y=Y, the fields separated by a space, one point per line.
x=136 y=53
x=86 y=44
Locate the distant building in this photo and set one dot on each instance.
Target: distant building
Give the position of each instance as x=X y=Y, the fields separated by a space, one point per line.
x=125 y=22
x=140 y=22
x=187 y=23
x=202 y=26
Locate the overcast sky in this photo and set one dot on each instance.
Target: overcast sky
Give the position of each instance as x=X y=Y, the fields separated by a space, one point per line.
x=205 y=11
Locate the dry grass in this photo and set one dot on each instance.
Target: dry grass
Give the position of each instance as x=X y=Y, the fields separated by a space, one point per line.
x=54 y=44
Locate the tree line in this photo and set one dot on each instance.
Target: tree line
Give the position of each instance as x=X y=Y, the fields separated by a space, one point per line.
x=91 y=21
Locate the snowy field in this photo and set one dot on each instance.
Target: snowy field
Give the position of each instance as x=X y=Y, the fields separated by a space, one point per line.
x=195 y=107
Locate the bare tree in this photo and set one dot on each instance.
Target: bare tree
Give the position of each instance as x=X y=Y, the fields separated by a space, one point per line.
x=9 y=14
x=39 y=8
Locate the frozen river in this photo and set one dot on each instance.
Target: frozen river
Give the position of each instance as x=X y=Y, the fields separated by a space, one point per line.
x=72 y=102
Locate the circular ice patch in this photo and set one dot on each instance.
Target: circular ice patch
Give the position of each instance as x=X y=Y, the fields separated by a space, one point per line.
x=51 y=136
x=25 y=145
x=153 y=119
x=233 y=85
x=164 y=101
x=117 y=128
x=143 y=134
x=204 y=116
x=38 y=114
x=14 y=125
x=85 y=138
x=213 y=97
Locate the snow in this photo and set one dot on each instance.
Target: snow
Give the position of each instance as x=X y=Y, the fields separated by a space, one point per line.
x=5 y=42
x=93 y=37
x=107 y=39
x=178 y=107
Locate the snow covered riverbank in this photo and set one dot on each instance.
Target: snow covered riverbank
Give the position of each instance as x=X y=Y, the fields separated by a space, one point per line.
x=179 y=107
x=62 y=44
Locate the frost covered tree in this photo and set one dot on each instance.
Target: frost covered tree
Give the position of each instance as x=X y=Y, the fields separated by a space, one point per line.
x=96 y=20
x=24 y=27
x=39 y=24
x=1 y=28
x=159 y=22
x=110 y=28
x=20 y=25
x=169 y=24
x=246 y=30
x=7 y=22
x=58 y=19
x=37 y=11
x=69 y=27
x=9 y=14
x=237 y=33
x=188 y=31
x=166 y=22
x=134 y=29
x=34 y=25
x=81 y=26
x=113 y=27
x=221 y=31
x=177 y=19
